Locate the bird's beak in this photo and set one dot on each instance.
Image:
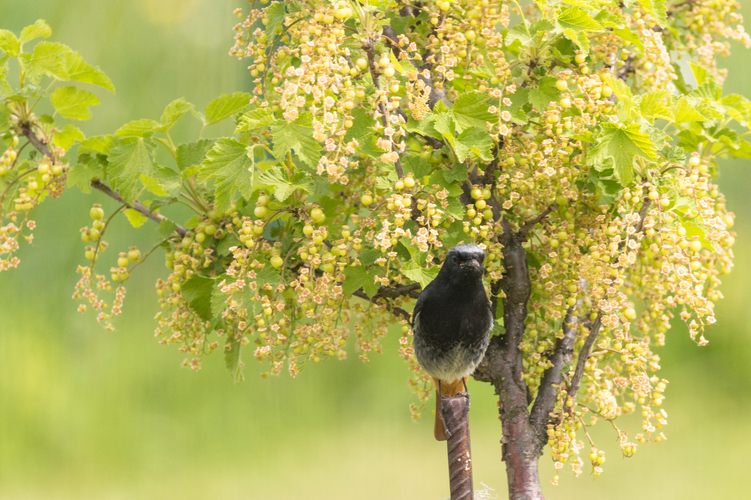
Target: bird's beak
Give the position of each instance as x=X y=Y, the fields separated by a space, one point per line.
x=475 y=264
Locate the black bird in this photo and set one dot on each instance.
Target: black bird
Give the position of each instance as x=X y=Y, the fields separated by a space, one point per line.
x=451 y=323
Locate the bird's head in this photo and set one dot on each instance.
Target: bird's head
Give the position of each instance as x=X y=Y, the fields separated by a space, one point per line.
x=464 y=261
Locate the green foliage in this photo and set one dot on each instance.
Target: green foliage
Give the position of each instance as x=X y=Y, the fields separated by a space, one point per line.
x=357 y=160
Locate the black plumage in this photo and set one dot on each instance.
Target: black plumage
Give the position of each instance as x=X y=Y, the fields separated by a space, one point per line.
x=452 y=319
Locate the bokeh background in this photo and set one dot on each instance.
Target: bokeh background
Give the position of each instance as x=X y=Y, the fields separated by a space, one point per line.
x=90 y=414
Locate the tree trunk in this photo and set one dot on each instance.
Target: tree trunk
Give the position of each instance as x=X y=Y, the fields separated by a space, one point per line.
x=521 y=460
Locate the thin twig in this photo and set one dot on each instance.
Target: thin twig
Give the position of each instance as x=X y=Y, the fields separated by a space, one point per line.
x=136 y=205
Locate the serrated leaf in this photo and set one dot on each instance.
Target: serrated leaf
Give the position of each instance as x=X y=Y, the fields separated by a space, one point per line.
x=192 y=154
x=420 y=274
x=622 y=144
x=357 y=277
x=444 y=124
x=98 y=144
x=278 y=180
x=173 y=112
x=656 y=104
x=362 y=123
x=519 y=32
x=197 y=292
x=135 y=217
x=296 y=136
x=518 y=100
x=657 y=9
x=275 y=14
x=225 y=106
x=4 y=117
x=167 y=227
x=609 y=19
x=232 y=360
x=73 y=103
x=82 y=173
x=545 y=92
x=473 y=140
x=9 y=43
x=628 y=35
x=39 y=28
x=416 y=165
x=77 y=69
x=471 y=110
x=231 y=169
x=579 y=38
x=138 y=128
x=129 y=159
x=255 y=119
x=65 y=137
x=50 y=58
x=685 y=110
x=218 y=298
x=578 y=19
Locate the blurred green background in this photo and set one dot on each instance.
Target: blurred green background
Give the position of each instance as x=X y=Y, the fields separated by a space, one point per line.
x=90 y=414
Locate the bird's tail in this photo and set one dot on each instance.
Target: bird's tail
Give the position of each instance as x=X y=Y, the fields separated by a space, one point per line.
x=450 y=389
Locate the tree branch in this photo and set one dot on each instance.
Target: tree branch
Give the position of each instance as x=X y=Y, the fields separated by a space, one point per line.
x=136 y=205
x=527 y=226
x=369 y=48
x=583 y=356
x=553 y=376
x=396 y=311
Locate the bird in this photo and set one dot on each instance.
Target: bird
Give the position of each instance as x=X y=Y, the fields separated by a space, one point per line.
x=451 y=322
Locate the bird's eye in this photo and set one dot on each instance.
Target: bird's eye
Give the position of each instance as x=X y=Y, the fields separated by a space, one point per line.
x=454 y=259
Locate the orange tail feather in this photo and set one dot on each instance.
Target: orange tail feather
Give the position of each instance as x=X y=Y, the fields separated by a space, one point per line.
x=450 y=389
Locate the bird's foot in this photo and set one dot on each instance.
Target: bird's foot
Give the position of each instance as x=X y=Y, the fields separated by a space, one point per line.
x=443 y=421
x=466 y=395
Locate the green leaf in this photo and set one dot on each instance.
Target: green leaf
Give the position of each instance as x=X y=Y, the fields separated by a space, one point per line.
x=39 y=28
x=628 y=35
x=445 y=125
x=138 y=128
x=357 y=277
x=297 y=136
x=545 y=92
x=82 y=173
x=167 y=227
x=518 y=100
x=9 y=43
x=129 y=159
x=685 y=110
x=50 y=57
x=77 y=69
x=192 y=154
x=578 y=19
x=197 y=292
x=218 y=298
x=225 y=106
x=135 y=218
x=73 y=103
x=68 y=135
x=471 y=110
x=98 y=144
x=417 y=166
x=277 y=179
x=255 y=119
x=609 y=19
x=4 y=117
x=275 y=14
x=657 y=9
x=474 y=140
x=362 y=123
x=656 y=105
x=622 y=144
x=419 y=274
x=173 y=112
x=229 y=165
x=232 y=359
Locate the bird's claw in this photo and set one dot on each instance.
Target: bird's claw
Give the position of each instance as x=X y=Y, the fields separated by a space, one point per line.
x=466 y=395
x=443 y=421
